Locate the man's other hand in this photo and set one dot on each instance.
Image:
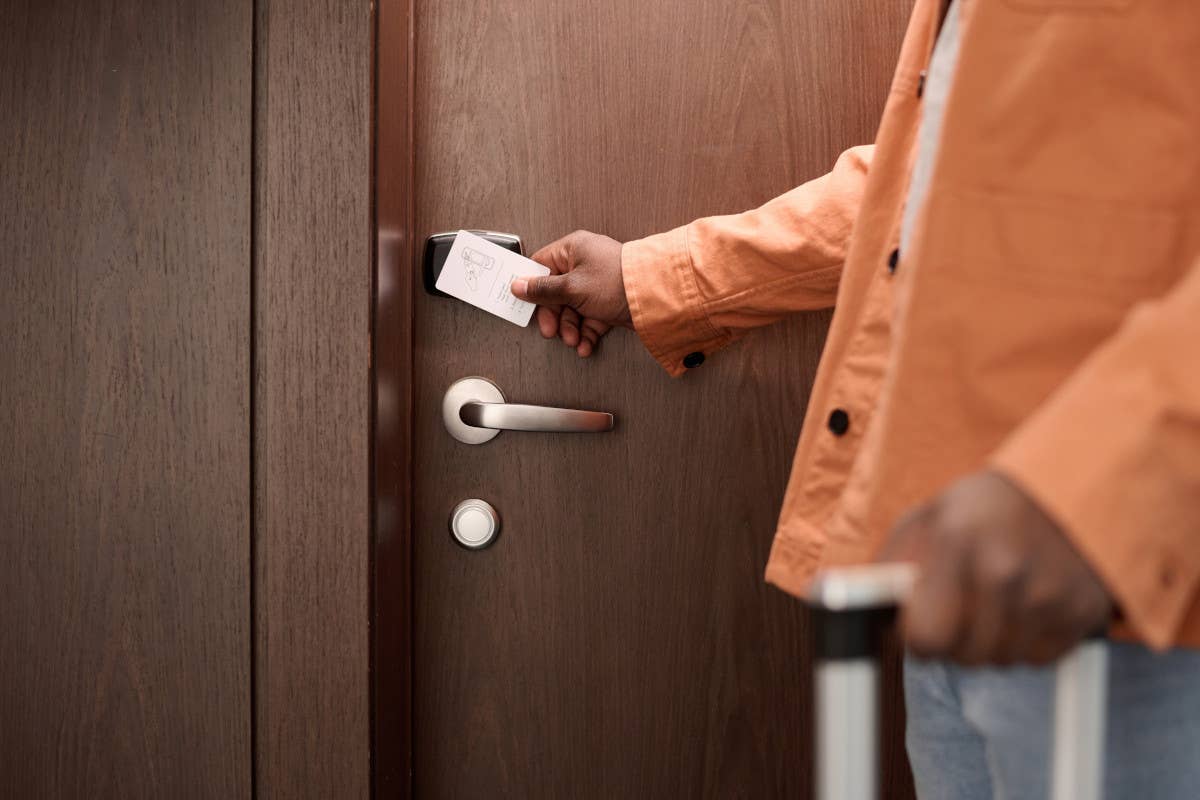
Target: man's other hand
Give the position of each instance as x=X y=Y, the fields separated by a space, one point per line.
x=584 y=296
x=998 y=581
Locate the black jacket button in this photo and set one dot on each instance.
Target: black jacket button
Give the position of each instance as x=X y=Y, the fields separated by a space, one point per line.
x=839 y=422
x=692 y=360
x=893 y=260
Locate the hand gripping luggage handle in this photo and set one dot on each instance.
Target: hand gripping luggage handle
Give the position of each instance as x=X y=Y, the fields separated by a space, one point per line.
x=852 y=608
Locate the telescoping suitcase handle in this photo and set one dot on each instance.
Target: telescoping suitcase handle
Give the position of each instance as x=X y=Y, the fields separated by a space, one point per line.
x=852 y=608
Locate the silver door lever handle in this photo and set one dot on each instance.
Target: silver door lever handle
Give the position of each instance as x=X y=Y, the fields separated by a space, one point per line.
x=474 y=412
x=516 y=417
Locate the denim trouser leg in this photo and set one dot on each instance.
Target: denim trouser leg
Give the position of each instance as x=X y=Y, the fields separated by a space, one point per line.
x=985 y=733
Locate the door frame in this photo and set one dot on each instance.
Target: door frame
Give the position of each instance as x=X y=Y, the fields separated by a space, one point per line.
x=392 y=319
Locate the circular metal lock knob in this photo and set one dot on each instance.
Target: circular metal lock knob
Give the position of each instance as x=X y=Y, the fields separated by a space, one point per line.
x=474 y=524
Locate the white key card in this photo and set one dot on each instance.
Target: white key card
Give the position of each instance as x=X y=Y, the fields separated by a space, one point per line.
x=480 y=272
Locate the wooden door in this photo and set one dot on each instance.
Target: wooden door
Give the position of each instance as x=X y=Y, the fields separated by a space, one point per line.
x=618 y=639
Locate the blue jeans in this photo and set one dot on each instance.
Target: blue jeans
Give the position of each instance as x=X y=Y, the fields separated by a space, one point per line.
x=985 y=734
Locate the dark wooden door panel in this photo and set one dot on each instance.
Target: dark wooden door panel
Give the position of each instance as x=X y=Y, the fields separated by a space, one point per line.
x=618 y=640
x=124 y=419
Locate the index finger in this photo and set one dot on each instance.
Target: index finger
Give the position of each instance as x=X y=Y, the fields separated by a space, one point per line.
x=931 y=621
x=554 y=256
x=907 y=539
x=547 y=320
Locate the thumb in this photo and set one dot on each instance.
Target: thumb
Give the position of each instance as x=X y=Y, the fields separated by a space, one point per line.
x=546 y=290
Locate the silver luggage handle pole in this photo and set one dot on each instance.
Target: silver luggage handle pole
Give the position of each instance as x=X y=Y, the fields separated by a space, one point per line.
x=1080 y=706
x=853 y=606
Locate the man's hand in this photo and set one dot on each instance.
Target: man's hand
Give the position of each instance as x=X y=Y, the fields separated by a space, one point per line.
x=584 y=296
x=998 y=582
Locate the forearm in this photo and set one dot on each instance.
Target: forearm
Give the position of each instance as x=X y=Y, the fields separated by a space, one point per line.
x=699 y=287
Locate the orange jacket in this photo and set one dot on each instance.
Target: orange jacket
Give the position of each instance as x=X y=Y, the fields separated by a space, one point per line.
x=1045 y=321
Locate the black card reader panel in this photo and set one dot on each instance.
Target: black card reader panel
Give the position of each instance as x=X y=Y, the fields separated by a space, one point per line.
x=437 y=247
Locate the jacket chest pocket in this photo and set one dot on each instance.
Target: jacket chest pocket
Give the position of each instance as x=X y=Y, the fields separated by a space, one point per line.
x=1075 y=248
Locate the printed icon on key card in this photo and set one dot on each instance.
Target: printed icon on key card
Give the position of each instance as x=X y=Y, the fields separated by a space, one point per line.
x=480 y=272
x=474 y=263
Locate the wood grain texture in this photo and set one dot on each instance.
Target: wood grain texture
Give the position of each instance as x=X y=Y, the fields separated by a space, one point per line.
x=124 y=485
x=618 y=640
x=312 y=353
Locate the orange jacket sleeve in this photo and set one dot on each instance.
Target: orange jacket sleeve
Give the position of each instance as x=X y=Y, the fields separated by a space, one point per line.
x=1114 y=456
x=699 y=287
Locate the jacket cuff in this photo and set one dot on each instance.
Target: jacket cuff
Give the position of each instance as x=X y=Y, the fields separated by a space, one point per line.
x=665 y=303
x=1115 y=503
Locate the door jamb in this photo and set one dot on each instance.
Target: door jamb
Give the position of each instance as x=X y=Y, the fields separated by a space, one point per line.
x=391 y=587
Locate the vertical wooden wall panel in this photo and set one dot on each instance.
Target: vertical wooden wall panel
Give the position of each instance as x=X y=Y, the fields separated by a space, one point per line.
x=313 y=301
x=125 y=155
